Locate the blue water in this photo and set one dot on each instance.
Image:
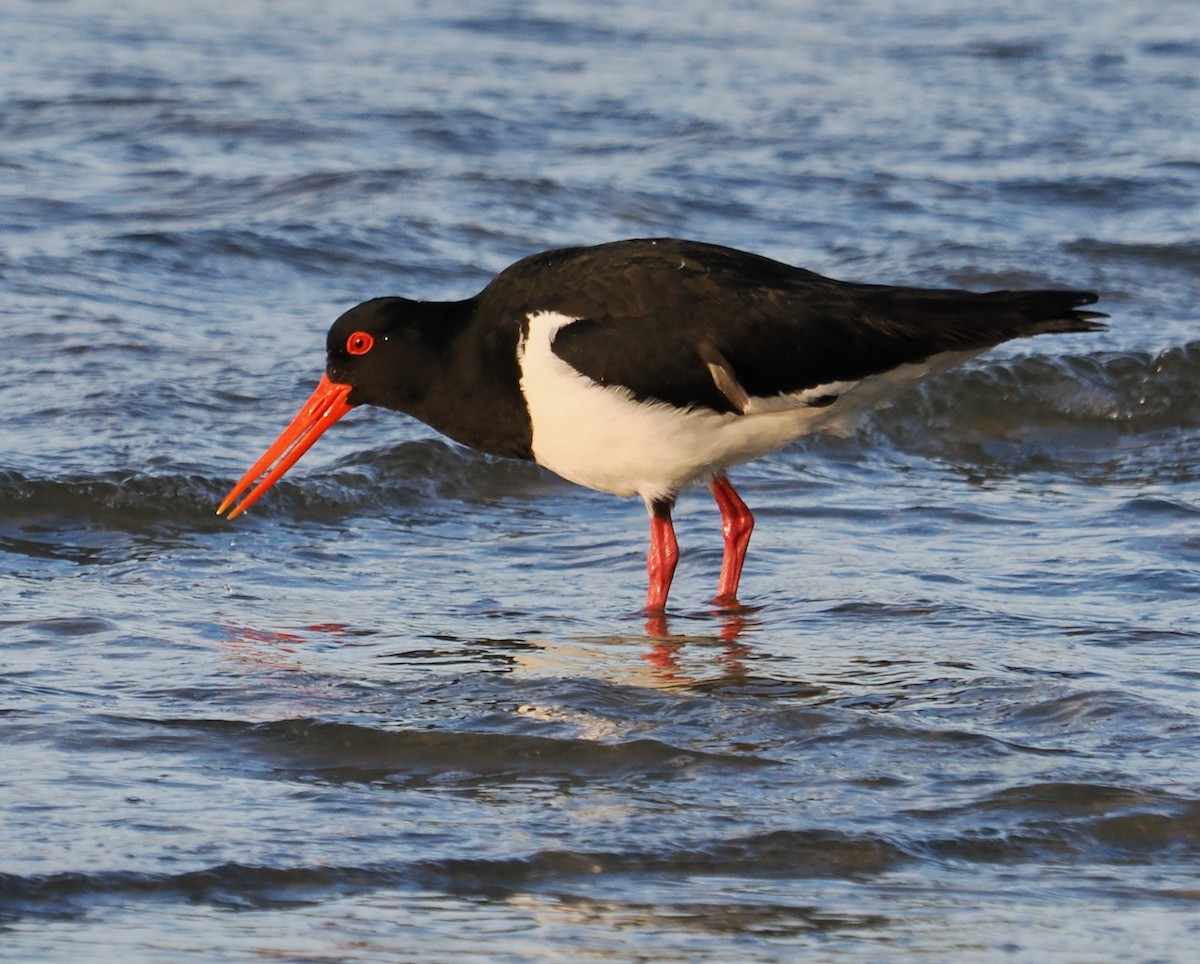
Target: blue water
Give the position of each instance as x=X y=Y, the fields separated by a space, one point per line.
x=407 y=708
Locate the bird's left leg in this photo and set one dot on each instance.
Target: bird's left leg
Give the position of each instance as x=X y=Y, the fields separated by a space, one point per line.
x=737 y=522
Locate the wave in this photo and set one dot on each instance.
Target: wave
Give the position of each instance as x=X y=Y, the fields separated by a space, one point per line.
x=1115 y=417
x=318 y=749
x=1125 y=392
x=1073 y=823
x=409 y=475
x=130 y=501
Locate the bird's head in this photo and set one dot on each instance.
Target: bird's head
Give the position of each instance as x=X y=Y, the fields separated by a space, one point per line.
x=375 y=355
x=383 y=349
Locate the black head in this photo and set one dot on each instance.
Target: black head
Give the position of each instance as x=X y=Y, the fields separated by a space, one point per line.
x=388 y=350
x=383 y=352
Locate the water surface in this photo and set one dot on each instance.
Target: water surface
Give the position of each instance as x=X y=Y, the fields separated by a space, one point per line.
x=407 y=707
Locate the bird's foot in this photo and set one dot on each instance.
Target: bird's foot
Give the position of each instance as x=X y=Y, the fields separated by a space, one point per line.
x=656 y=623
x=729 y=604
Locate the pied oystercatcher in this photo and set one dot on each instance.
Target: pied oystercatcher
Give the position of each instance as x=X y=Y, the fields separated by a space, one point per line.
x=638 y=367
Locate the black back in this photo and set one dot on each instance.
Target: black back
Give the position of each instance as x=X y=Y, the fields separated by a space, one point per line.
x=654 y=312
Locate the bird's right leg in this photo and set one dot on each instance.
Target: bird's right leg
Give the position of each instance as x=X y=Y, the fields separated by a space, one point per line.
x=662 y=557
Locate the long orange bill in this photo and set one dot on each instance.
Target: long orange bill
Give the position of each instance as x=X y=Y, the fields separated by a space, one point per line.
x=327 y=404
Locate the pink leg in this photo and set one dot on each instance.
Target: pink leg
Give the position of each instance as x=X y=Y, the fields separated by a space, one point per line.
x=662 y=557
x=737 y=522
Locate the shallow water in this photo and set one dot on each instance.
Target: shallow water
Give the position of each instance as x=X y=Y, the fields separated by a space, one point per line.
x=406 y=707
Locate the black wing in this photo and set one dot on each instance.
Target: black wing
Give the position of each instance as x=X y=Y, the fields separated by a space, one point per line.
x=680 y=321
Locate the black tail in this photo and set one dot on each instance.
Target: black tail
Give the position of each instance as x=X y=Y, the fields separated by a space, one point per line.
x=1047 y=311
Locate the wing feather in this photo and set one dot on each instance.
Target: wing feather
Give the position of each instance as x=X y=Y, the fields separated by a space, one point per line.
x=698 y=325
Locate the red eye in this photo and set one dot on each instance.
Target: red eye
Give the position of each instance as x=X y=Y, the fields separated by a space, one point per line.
x=359 y=343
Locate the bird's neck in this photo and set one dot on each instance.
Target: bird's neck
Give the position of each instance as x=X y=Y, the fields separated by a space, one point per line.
x=479 y=375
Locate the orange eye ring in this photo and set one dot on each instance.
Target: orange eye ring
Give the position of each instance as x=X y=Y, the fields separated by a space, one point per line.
x=360 y=343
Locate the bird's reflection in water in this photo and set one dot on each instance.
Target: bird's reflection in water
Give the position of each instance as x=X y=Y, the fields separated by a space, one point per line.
x=733 y=623
x=286 y=663
x=283 y=649
x=255 y=647
x=666 y=648
x=712 y=652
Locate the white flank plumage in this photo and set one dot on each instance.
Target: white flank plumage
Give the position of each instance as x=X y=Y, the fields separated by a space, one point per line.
x=601 y=437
